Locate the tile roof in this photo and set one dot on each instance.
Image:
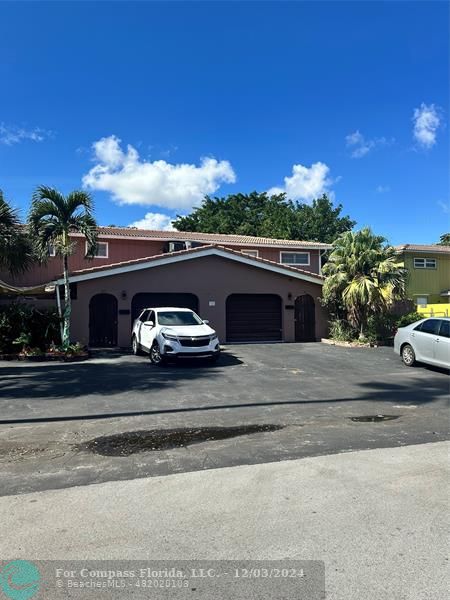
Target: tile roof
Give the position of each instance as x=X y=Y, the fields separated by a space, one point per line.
x=423 y=248
x=212 y=238
x=149 y=259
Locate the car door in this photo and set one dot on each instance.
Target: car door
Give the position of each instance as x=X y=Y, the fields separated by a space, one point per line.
x=148 y=332
x=423 y=339
x=442 y=346
x=137 y=330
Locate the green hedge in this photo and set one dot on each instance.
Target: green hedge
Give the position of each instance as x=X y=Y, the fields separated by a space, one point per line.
x=24 y=325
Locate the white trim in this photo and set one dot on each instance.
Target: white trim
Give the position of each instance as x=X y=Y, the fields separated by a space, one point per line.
x=295 y=264
x=98 y=243
x=248 y=252
x=425 y=259
x=169 y=259
x=219 y=241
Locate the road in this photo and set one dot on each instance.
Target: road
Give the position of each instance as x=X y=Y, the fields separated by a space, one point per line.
x=376 y=518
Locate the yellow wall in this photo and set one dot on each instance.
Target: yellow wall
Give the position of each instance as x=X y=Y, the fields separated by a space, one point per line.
x=435 y=310
x=428 y=282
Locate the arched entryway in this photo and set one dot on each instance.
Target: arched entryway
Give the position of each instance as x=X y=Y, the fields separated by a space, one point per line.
x=103 y=321
x=305 y=319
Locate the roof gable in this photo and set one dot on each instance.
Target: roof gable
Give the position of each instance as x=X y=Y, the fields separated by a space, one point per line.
x=173 y=257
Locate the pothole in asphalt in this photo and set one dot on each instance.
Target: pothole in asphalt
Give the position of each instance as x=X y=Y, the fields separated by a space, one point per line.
x=374 y=418
x=131 y=442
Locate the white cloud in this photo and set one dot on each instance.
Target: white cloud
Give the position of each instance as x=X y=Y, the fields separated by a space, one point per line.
x=11 y=134
x=156 y=221
x=383 y=189
x=426 y=121
x=306 y=183
x=131 y=180
x=361 y=146
x=445 y=206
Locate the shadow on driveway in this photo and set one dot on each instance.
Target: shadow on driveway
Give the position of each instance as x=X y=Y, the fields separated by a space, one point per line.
x=372 y=391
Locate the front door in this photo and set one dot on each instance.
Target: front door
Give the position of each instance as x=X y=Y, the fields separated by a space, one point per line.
x=103 y=321
x=305 y=319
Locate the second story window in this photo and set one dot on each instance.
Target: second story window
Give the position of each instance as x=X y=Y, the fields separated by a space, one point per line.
x=250 y=252
x=424 y=263
x=51 y=250
x=102 y=250
x=295 y=259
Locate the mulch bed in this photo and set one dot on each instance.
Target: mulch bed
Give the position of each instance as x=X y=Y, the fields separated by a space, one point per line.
x=46 y=357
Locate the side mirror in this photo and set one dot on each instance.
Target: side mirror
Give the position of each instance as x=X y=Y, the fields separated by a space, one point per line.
x=148 y=323
x=205 y=321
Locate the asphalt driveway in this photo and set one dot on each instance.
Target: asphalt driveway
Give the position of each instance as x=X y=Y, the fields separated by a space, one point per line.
x=307 y=395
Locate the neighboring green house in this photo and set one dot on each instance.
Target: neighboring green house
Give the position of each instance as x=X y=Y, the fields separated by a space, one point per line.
x=429 y=276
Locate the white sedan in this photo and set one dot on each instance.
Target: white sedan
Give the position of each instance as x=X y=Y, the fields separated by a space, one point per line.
x=169 y=333
x=426 y=341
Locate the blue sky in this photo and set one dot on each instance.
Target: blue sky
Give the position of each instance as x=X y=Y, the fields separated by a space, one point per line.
x=152 y=105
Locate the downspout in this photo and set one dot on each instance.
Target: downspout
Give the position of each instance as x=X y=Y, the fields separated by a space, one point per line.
x=321 y=253
x=58 y=302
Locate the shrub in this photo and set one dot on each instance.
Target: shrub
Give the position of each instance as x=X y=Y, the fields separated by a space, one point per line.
x=23 y=325
x=342 y=331
x=409 y=318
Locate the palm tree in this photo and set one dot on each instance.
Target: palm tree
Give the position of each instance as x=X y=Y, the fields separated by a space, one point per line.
x=363 y=275
x=53 y=217
x=16 y=250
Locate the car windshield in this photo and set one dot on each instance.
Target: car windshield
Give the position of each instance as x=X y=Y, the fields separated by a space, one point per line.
x=178 y=318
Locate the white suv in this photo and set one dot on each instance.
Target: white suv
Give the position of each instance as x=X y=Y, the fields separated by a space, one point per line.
x=168 y=332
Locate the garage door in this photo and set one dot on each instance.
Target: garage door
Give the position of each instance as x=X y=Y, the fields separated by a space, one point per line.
x=253 y=318
x=144 y=300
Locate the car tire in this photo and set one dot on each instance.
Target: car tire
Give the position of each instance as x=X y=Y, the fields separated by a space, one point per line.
x=408 y=355
x=156 y=358
x=136 y=347
x=214 y=359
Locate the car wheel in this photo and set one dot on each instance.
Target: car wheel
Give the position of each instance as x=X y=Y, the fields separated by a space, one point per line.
x=136 y=347
x=214 y=359
x=408 y=355
x=155 y=355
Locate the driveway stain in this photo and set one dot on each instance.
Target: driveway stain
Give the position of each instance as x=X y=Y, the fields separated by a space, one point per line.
x=131 y=442
x=374 y=418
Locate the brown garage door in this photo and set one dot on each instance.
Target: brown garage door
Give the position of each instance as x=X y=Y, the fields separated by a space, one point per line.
x=153 y=300
x=253 y=318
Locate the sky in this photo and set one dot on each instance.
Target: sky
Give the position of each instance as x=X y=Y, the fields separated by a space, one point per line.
x=151 y=105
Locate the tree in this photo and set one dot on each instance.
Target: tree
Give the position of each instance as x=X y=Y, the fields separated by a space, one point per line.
x=363 y=275
x=51 y=220
x=261 y=214
x=16 y=250
x=444 y=240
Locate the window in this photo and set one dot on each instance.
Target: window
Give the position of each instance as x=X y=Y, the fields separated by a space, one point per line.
x=422 y=300
x=429 y=326
x=250 y=252
x=102 y=250
x=294 y=258
x=51 y=250
x=144 y=316
x=424 y=263
x=445 y=329
x=178 y=318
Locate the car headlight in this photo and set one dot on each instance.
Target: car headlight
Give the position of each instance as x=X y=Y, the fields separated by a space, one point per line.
x=169 y=336
x=213 y=337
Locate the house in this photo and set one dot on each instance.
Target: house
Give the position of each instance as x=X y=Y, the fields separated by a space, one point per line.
x=249 y=288
x=429 y=276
